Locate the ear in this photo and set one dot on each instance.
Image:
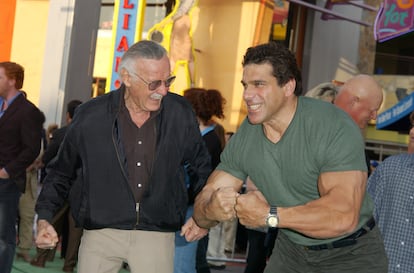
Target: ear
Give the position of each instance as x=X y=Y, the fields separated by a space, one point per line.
x=354 y=100
x=12 y=83
x=125 y=77
x=68 y=119
x=289 y=88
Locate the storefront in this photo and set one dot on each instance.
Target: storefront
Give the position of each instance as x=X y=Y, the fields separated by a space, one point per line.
x=331 y=42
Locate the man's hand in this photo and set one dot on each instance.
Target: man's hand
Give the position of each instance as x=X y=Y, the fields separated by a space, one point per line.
x=222 y=204
x=4 y=174
x=46 y=235
x=252 y=209
x=217 y=199
x=192 y=232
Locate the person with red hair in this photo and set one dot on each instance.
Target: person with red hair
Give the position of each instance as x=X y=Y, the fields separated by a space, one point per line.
x=207 y=104
x=20 y=141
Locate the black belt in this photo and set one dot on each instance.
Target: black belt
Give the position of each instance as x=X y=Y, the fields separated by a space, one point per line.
x=348 y=240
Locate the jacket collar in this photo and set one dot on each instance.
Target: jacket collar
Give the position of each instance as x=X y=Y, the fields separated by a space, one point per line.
x=12 y=109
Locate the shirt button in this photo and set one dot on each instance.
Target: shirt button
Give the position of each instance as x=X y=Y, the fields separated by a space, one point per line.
x=139 y=164
x=407 y=220
x=402 y=243
x=139 y=185
x=139 y=142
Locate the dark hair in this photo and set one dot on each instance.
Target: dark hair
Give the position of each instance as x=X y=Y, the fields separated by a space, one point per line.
x=15 y=72
x=412 y=118
x=206 y=103
x=72 y=106
x=280 y=58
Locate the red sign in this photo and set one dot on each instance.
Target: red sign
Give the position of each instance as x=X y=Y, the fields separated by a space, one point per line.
x=394 y=18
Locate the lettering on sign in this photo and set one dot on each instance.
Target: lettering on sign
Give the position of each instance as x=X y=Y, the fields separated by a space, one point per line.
x=128 y=19
x=403 y=108
x=394 y=18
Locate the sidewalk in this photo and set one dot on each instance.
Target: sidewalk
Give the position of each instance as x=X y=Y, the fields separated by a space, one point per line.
x=20 y=266
x=231 y=267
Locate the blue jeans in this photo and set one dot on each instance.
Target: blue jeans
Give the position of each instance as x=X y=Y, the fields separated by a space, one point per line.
x=9 y=201
x=185 y=252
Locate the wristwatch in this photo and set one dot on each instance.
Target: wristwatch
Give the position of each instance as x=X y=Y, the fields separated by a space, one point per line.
x=272 y=219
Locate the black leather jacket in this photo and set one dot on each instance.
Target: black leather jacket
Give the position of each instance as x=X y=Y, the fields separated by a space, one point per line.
x=90 y=167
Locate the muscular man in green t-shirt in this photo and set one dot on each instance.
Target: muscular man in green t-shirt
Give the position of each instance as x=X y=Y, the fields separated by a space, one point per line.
x=306 y=158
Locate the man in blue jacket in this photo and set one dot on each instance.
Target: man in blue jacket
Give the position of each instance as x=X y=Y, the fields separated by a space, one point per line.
x=391 y=187
x=121 y=165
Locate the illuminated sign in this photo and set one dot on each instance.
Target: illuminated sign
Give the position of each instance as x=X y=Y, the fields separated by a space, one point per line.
x=127 y=29
x=394 y=18
x=396 y=117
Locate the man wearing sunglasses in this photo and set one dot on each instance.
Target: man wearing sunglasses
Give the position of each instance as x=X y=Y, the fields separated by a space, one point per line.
x=121 y=165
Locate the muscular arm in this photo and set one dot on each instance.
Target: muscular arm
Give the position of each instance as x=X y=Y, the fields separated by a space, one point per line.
x=334 y=214
x=216 y=201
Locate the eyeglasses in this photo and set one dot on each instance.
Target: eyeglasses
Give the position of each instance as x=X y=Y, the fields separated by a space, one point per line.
x=157 y=83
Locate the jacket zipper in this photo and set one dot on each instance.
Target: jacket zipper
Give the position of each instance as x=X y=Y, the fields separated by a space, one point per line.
x=137 y=211
x=122 y=169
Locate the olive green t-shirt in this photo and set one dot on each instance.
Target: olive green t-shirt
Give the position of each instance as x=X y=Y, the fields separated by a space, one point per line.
x=321 y=138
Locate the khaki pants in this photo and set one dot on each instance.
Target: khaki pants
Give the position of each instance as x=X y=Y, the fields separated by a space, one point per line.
x=104 y=250
x=216 y=243
x=27 y=213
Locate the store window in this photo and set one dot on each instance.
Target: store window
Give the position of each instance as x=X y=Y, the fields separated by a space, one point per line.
x=155 y=11
x=107 y=13
x=280 y=20
x=395 y=56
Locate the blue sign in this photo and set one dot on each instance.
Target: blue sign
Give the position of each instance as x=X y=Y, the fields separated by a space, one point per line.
x=128 y=21
x=397 y=117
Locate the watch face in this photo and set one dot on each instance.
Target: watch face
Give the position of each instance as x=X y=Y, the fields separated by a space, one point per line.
x=272 y=221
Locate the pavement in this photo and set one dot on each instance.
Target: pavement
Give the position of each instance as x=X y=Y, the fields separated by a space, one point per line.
x=231 y=267
x=235 y=264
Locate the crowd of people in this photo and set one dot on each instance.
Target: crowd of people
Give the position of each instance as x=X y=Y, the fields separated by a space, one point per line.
x=144 y=177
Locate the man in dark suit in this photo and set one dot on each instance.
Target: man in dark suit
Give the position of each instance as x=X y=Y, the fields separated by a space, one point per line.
x=59 y=134
x=20 y=141
x=62 y=221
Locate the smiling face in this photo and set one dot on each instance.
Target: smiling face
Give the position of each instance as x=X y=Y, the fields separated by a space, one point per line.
x=137 y=89
x=264 y=98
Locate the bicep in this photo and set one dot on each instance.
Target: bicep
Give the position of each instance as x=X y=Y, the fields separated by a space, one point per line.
x=344 y=190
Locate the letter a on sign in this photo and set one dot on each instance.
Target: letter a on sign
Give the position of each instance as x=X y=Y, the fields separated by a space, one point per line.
x=127 y=29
